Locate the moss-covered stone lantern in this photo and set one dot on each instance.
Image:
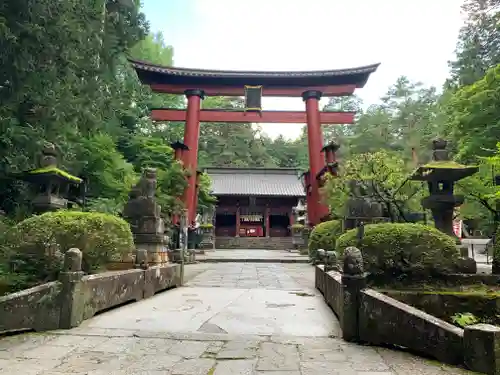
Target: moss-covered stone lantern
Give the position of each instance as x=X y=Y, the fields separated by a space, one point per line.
x=441 y=174
x=361 y=207
x=51 y=183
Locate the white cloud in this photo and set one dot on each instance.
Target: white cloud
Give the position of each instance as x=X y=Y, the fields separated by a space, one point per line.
x=412 y=37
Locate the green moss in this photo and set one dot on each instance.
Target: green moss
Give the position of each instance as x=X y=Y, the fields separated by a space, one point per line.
x=57 y=171
x=446 y=164
x=446 y=170
x=399 y=250
x=324 y=236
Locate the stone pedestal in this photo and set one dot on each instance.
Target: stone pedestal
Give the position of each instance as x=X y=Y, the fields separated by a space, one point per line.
x=442 y=207
x=156 y=253
x=482 y=348
x=144 y=216
x=174 y=256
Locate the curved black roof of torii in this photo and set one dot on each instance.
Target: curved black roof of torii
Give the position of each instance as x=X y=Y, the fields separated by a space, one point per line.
x=150 y=73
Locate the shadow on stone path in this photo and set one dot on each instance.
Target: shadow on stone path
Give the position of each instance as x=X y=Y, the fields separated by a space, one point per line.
x=230 y=318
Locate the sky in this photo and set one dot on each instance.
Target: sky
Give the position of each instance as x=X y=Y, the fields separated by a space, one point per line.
x=415 y=38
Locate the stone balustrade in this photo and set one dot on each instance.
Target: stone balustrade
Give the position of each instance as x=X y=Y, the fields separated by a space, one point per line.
x=75 y=297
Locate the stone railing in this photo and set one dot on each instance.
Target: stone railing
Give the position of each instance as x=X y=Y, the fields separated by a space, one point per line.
x=75 y=297
x=367 y=316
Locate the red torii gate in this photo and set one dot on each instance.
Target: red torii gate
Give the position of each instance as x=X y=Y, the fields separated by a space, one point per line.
x=195 y=84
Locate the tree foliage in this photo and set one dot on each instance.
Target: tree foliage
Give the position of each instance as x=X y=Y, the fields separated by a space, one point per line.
x=478 y=45
x=65 y=78
x=384 y=176
x=473 y=116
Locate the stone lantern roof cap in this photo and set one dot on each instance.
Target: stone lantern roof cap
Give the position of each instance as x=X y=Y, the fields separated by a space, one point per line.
x=39 y=174
x=443 y=170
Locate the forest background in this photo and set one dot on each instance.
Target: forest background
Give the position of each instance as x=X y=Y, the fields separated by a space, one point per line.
x=64 y=78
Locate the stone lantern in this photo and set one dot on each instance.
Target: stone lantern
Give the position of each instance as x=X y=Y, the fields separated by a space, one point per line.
x=179 y=150
x=143 y=214
x=299 y=213
x=441 y=174
x=361 y=208
x=52 y=184
x=299 y=229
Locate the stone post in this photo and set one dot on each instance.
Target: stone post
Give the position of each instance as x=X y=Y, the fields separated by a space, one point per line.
x=353 y=282
x=320 y=257
x=71 y=314
x=183 y=242
x=482 y=348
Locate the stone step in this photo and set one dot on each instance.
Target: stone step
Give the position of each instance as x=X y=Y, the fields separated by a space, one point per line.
x=269 y=243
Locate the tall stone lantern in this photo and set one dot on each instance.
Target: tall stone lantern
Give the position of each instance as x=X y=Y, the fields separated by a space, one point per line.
x=52 y=184
x=441 y=174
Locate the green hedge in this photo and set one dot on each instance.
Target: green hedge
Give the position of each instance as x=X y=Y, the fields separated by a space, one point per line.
x=324 y=236
x=101 y=237
x=401 y=249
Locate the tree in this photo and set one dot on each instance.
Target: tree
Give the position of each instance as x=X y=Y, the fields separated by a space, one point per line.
x=474 y=116
x=384 y=176
x=482 y=194
x=60 y=82
x=65 y=78
x=341 y=133
x=478 y=45
x=405 y=121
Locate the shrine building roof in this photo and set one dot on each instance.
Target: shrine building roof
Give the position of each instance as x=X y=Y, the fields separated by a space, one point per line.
x=269 y=182
x=151 y=74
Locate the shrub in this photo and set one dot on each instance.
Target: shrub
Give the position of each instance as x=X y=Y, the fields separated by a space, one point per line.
x=297 y=229
x=324 y=236
x=44 y=238
x=403 y=249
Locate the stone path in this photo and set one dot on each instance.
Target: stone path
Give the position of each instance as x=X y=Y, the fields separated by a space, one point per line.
x=231 y=318
x=245 y=255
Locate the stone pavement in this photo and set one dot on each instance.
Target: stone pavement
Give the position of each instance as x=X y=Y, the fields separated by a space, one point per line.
x=231 y=318
x=252 y=255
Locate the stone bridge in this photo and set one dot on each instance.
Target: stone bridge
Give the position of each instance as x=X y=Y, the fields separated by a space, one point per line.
x=228 y=318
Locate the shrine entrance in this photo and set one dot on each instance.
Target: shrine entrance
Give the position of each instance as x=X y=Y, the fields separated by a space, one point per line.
x=196 y=84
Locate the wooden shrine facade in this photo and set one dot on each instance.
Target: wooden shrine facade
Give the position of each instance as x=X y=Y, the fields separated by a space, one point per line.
x=254 y=202
x=196 y=84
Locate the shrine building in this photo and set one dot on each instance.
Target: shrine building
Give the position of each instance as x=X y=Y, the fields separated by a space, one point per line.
x=254 y=202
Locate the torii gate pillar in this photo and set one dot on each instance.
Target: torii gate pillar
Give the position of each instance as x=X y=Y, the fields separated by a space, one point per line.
x=191 y=137
x=316 y=158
